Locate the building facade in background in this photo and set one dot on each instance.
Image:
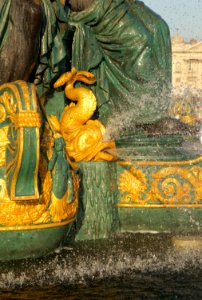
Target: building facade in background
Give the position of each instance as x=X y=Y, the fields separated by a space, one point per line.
x=187 y=65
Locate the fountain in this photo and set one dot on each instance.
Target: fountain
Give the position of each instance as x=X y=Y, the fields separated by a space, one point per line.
x=88 y=147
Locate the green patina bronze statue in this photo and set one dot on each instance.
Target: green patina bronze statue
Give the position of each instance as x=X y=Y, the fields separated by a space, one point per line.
x=123 y=43
x=127 y=46
x=58 y=171
x=31 y=45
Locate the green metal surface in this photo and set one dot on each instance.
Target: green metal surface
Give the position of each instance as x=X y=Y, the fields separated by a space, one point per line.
x=127 y=46
x=99 y=216
x=61 y=170
x=5 y=22
x=30 y=243
x=52 y=56
x=145 y=148
x=182 y=221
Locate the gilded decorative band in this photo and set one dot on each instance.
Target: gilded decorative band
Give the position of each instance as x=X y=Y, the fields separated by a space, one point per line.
x=27 y=119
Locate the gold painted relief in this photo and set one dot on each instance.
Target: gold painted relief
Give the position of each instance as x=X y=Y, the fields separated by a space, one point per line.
x=185 y=110
x=3 y=191
x=132 y=182
x=84 y=137
x=60 y=209
x=161 y=162
x=47 y=209
x=8 y=108
x=3 y=143
x=22 y=118
x=167 y=187
x=44 y=211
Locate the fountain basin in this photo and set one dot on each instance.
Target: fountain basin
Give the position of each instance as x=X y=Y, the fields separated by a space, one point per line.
x=159 y=192
x=31 y=241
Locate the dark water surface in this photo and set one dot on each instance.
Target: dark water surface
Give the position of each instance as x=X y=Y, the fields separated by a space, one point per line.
x=132 y=266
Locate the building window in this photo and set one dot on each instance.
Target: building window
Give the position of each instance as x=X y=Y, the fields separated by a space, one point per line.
x=192 y=80
x=177 y=81
x=178 y=67
x=193 y=65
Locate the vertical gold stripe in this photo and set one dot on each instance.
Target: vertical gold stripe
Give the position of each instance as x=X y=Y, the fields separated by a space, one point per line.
x=37 y=165
x=26 y=94
x=34 y=97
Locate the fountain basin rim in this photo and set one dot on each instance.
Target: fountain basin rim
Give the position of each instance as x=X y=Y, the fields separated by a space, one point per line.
x=37 y=226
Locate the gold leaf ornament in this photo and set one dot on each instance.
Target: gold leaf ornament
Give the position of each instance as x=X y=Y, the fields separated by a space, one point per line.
x=7 y=107
x=84 y=137
x=133 y=182
x=10 y=105
x=2 y=113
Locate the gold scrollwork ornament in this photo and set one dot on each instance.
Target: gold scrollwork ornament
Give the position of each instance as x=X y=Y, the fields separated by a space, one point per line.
x=171 y=186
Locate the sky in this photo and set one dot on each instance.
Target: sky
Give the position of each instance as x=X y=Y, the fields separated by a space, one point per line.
x=182 y=16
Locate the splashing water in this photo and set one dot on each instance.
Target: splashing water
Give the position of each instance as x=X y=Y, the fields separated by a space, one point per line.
x=125 y=124
x=127 y=260
x=145 y=109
